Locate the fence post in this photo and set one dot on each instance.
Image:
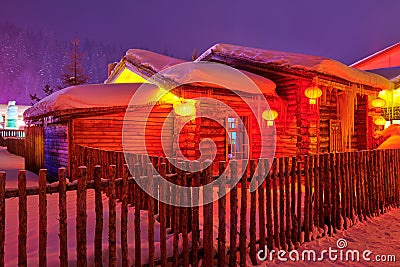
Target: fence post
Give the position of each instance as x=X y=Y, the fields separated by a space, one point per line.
x=62 y=204
x=221 y=214
x=42 y=217
x=112 y=240
x=22 y=210
x=98 y=234
x=208 y=217
x=299 y=196
x=163 y=222
x=124 y=216
x=233 y=220
x=306 y=200
x=243 y=215
x=293 y=199
x=138 y=200
x=2 y=215
x=268 y=210
x=253 y=207
x=151 y=200
x=275 y=202
x=81 y=217
x=261 y=204
x=287 y=203
x=185 y=215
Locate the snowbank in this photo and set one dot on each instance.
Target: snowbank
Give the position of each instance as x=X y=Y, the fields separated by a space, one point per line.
x=298 y=61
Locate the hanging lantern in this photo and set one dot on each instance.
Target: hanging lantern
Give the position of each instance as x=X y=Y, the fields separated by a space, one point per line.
x=270 y=115
x=378 y=102
x=185 y=109
x=380 y=121
x=313 y=93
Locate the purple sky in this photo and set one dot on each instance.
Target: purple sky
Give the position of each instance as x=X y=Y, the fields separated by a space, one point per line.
x=344 y=30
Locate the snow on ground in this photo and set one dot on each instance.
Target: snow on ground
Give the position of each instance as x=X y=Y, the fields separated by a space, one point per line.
x=11 y=164
x=380 y=235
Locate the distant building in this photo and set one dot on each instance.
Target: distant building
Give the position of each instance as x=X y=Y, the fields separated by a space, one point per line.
x=386 y=62
x=19 y=109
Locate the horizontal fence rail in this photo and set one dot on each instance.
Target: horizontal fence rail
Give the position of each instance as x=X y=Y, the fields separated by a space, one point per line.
x=292 y=201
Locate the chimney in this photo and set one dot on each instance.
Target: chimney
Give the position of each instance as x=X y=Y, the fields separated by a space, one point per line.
x=111 y=67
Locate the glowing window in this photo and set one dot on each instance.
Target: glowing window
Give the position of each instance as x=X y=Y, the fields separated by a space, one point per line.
x=238 y=146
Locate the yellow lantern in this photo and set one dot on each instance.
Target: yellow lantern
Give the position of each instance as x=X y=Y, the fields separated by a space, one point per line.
x=185 y=109
x=380 y=121
x=270 y=115
x=313 y=93
x=378 y=102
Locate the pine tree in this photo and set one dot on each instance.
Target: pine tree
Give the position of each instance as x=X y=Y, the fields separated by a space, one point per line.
x=47 y=91
x=73 y=70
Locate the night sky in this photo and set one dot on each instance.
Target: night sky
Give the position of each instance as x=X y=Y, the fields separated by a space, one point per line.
x=344 y=30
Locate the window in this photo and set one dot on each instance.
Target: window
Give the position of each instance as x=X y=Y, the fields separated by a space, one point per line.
x=238 y=146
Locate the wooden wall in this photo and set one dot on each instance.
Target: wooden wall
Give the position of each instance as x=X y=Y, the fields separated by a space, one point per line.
x=55 y=148
x=105 y=131
x=328 y=111
x=361 y=123
x=34 y=141
x=292 y=127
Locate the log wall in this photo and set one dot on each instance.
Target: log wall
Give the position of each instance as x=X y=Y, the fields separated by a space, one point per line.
x=55 y=148
x=105 y=131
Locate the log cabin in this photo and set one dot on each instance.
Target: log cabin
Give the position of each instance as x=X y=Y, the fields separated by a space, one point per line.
x=142 y=117
x=103 y=116
x=328 y=107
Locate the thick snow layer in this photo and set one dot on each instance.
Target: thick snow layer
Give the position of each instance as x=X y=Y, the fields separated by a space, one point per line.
x=392 y=133
x=393 y=129
x=154 y=61
x=300 y=62
x=91 y=96
x=391 y=143
x=220 y=76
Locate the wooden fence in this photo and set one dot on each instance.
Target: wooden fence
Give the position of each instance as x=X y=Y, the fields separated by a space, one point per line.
x=12 y=133
x=15 y=145
x=34 y=141
x=328 y=191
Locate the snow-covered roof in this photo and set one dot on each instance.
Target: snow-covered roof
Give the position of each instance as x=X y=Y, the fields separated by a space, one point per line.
x=151 y=60
x=385 y=58
x=91 y=96
x=297 y=61
x=187 y=73
x=217 y=76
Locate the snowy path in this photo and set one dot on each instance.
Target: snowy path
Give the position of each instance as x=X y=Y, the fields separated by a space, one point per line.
x=11 y=164
x=380 y=235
